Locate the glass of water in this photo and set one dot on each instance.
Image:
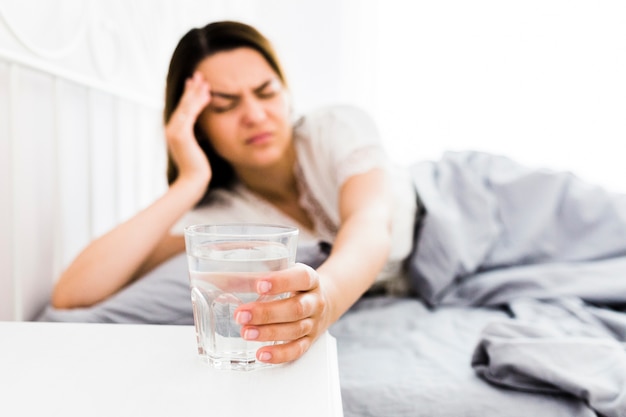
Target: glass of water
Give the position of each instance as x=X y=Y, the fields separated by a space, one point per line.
x=225 y=261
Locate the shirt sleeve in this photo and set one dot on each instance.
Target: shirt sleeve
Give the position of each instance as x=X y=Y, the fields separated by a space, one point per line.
x=334 y=144
x=346 y=139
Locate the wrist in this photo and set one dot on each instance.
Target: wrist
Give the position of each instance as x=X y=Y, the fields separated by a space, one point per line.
x=193 y=188
x=332 y=311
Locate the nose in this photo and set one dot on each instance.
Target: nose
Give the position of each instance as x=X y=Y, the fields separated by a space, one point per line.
x=253 y=111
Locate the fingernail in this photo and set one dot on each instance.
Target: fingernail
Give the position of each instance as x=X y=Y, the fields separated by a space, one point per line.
x=243 y=317
x=265 y=356
x=250 y=334
x=263 y=287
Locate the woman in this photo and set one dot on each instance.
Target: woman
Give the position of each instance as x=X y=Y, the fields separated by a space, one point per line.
x=236 y=155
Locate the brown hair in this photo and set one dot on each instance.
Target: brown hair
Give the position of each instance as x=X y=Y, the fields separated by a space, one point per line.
x=193 y=47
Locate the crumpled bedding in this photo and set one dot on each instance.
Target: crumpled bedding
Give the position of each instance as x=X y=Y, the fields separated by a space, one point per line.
x=558 y=346
x=548 y=247
x=400 y=358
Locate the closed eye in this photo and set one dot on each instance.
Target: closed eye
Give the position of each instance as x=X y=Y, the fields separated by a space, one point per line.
x=266 y=94
x=268 y=89
x=222 y=102
x=223 y=105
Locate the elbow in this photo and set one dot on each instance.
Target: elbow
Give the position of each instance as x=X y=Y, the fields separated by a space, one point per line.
x=65 y=299
x=386 y=220
x=386 y=242
x=381 y=238
x=60 y=300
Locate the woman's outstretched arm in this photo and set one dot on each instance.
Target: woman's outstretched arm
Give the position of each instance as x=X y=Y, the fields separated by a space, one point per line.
x=321 y=296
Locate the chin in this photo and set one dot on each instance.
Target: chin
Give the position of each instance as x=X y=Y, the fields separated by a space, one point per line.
x=268 y=158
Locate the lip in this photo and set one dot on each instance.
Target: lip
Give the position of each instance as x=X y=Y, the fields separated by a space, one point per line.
x=259 y=139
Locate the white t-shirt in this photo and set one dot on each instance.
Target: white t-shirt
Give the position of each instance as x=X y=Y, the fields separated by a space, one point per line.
x=332 y=144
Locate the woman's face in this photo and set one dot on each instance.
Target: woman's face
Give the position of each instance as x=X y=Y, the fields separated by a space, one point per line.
x=247 y=119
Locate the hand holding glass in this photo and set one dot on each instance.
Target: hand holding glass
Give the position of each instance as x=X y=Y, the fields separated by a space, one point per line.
x=225 y=262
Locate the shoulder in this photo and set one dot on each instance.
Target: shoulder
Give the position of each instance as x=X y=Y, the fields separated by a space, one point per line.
x=336 y=116
x=336 y=142
x=337 y=127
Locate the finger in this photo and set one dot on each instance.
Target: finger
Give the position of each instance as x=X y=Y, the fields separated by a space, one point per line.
x=298 y=278
x=278 y=332
x=195 y=97
x=297 y=307
x=284 y=352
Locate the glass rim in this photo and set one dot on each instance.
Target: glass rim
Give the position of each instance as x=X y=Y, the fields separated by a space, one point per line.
x=272 y=230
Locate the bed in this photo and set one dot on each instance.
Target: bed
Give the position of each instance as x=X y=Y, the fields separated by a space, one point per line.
x=517 y=309
x=397 y=357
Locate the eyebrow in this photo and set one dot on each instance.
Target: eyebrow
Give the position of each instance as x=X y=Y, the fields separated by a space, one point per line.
x=229 y=96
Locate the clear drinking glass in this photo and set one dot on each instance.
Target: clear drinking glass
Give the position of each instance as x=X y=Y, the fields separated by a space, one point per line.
x=224 y=261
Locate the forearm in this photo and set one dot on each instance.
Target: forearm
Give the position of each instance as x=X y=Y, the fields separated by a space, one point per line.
x=116 y=258
x=321 y=297
x=359 y=253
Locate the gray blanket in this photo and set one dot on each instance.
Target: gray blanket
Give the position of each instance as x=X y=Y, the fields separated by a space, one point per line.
x=544 y=244
x=400 y=358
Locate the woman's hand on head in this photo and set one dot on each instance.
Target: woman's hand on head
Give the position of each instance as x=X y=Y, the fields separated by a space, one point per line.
x=297 y=320
x=191 y=161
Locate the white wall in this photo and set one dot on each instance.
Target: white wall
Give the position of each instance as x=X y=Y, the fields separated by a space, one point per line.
x=78 y=98
x=539 y=80
x=81 y=81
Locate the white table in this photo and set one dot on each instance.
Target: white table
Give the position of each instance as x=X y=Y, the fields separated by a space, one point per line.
x=114 y=370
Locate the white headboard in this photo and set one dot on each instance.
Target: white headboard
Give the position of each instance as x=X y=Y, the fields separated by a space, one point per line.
x=81 y=143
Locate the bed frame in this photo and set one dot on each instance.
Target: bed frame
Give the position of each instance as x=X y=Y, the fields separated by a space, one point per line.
x=81 y=142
